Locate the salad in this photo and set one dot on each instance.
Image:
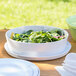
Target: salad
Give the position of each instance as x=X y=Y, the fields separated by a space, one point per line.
x=31 y=36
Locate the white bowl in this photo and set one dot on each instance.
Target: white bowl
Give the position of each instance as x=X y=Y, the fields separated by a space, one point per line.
x=35 y=49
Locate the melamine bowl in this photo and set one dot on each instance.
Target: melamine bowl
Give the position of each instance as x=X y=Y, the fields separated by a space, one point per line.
x=35 y=49
x=71 y=21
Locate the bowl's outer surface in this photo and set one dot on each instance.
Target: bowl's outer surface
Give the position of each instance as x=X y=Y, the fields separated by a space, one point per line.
x=35 y=48
x=71 y=21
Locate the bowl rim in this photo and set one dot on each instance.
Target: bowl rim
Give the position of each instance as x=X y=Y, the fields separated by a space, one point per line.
x=38 y=43
x=70 y=23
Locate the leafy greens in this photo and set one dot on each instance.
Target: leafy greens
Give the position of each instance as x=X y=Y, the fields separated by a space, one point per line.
x=31 y=36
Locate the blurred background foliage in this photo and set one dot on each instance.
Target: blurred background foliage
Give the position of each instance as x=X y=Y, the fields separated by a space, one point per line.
x=15 y=13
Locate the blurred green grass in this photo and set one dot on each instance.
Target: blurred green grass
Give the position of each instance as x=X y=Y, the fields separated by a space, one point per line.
x=15 y=13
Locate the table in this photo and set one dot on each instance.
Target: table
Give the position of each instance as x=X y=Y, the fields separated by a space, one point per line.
x=47 y=68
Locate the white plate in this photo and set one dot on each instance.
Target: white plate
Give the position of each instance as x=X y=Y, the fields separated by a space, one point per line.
x=47 y=56
x=17 y=67
x=64 y=72
x=70 y=68
x=70 y=59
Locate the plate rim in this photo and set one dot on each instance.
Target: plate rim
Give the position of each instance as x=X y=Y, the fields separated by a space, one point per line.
x=35 y=70
x=62 y=53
